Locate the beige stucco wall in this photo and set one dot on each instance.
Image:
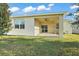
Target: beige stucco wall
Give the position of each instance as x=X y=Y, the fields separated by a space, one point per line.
x=67 y=27
x=29 y=27
x=37 y=27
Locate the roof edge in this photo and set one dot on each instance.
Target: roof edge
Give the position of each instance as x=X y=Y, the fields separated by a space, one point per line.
x=62 y=13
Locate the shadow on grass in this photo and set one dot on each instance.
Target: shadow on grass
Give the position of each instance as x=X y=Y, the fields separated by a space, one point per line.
x=38 y=47
x=76 y=33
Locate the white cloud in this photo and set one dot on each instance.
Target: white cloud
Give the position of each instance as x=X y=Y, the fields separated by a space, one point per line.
x=48 y=8
x=42 y=7
x=50 y=5
x=29 y=9
x=14 y=9
x=74 y=7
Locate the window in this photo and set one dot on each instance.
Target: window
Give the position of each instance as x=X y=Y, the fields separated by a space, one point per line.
x=16 y=26
x=44 y=28
x=19 y=24
x=22 y=26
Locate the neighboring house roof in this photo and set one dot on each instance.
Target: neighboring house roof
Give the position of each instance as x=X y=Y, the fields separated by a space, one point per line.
x=37 y=15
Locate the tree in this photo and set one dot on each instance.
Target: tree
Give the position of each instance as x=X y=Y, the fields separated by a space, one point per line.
x=76 y=16
x=5 y=22
x=76 y=13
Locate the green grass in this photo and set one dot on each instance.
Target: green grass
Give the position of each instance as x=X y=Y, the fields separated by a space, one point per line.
x=39 y=46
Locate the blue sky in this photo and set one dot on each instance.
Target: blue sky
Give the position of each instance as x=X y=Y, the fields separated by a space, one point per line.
x=19 y=9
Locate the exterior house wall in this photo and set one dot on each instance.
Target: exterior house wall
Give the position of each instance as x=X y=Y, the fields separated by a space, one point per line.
x=29 y=27
x=75 y=31
x=51 y=22
x=37 y=27
x=67 y=27
x=75 y=28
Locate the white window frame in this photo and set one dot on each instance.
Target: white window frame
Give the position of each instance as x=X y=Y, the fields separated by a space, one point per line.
x=19 y=23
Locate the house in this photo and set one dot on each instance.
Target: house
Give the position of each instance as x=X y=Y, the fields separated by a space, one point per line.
x=38 y=25
x=67 y=26
x=75 y=27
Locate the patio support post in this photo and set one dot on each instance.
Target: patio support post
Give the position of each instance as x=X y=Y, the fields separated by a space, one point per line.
x=61 y=26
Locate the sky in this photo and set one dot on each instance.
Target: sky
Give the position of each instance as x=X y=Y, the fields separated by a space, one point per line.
x=20 y=9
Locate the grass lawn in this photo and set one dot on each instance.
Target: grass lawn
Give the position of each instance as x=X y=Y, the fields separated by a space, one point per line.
x=39 y=46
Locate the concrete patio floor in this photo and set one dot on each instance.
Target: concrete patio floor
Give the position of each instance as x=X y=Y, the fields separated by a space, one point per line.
x=48 y=34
